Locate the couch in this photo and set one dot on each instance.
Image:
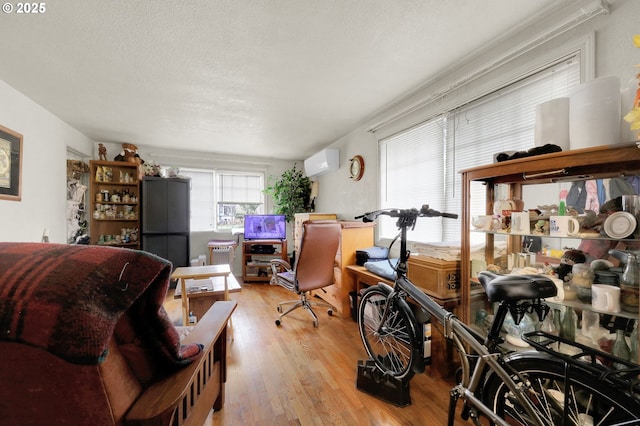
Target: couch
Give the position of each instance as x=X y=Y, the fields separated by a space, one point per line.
x=84 y=339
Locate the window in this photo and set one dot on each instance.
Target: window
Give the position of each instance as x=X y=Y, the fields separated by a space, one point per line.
x=421 y=164
x=220 y=199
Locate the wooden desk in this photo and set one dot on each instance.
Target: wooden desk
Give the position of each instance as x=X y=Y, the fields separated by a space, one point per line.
x=444 y=360
x=197 y=273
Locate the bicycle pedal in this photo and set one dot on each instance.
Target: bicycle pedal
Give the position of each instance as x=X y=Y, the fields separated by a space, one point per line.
x=374 y=382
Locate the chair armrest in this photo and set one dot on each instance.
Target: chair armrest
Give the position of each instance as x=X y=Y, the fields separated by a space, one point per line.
x=281 y=263
x=187 y=396
x=278 y=265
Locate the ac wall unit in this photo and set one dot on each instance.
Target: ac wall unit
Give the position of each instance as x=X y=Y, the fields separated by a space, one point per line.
x=327 y=160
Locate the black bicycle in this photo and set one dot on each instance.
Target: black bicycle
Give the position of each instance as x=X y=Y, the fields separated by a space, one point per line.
x=538 y=386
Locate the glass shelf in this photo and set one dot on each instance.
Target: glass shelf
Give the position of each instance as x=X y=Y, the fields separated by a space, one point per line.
x=576 y=304
x=581 y=236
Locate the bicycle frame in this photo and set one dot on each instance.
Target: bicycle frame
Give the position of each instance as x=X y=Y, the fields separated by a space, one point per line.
x=457 y=332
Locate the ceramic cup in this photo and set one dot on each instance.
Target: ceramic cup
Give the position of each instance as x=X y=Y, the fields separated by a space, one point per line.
x=605 y=297
x=520 y=223
x=563 y=226
x=485 y=222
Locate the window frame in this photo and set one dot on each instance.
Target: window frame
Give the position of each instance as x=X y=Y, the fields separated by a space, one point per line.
x=230 y=204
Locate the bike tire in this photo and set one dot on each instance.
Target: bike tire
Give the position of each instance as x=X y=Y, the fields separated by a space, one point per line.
x=393 y=348
x=544 y=379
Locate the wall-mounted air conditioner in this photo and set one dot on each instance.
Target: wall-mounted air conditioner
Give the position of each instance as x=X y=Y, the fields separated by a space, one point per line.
x=327 y=160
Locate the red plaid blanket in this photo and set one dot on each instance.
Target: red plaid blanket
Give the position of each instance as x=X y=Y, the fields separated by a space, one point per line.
x=67 y=299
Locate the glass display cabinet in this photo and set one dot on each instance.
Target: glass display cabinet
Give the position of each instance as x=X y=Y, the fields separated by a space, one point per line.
x=538 y=182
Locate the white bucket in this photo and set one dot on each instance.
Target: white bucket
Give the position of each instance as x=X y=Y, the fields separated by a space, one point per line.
x=594 y=113
x=552 y=123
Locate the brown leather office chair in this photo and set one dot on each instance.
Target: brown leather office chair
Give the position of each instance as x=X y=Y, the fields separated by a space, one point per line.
x=313 y=268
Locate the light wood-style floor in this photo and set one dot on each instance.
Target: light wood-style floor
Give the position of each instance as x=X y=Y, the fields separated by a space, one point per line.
x=296 y=374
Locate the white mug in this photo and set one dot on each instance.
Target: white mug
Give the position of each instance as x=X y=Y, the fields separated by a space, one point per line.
x=486 y=223
x=520 y=223
x=563 y=226
x=605 y=297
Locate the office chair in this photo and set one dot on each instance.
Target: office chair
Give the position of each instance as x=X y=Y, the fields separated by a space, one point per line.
x=313 y=267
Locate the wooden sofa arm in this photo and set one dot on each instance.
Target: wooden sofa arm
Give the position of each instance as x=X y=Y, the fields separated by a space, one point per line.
x=186 y=397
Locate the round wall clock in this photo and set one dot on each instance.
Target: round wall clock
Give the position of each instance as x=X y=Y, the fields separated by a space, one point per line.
x=357 y=167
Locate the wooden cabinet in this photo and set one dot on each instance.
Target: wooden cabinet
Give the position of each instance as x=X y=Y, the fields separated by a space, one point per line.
x=300 y=218
x=256 y=258
x=510 y=178
x=114 y=203
x=353 y=236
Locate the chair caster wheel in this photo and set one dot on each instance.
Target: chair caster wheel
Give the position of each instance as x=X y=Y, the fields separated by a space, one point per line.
x=278 y=323
x=315 y=324
x=279 y=309
x=330 y=312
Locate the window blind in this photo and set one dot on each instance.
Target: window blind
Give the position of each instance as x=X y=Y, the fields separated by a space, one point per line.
x=421 y=164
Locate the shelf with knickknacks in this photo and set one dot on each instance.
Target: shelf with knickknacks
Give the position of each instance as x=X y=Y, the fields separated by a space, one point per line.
x=579 y=260
x=114 y=198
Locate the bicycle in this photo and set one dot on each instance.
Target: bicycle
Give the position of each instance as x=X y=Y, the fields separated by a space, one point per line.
x=539 y=386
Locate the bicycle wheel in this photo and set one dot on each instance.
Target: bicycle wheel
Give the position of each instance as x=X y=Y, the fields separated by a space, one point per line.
x=589 y=401
x=392 y=344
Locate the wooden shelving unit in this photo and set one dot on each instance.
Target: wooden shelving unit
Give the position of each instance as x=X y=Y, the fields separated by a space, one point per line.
x=114 y=213
x=256 y=261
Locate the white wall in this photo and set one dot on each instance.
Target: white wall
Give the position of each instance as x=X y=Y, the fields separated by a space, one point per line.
x=44 y=154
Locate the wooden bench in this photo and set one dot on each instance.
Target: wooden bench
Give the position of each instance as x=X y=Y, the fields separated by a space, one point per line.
x=364 y=278
x=444 y=360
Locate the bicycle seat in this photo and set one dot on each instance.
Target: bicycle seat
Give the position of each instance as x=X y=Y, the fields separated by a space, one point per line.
x=516 y=287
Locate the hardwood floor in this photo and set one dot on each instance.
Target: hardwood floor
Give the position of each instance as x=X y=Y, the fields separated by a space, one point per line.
x=296 y=374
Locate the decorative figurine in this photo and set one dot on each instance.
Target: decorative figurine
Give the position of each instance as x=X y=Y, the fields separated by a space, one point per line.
x=102 y=152
x=129 y=154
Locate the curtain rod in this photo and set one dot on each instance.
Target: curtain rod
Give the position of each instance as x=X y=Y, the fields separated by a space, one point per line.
x=584 y=15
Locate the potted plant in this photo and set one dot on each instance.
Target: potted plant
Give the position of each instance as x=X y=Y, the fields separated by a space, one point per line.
x=291 y=192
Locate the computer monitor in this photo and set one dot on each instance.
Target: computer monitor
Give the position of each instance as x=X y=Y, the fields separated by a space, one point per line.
x=265 y=227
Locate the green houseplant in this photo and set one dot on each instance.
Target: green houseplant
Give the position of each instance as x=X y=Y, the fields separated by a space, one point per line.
x=291 y=192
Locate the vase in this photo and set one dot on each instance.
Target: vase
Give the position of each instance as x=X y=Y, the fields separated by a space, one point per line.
x=633 y=343
x=595 y=113
x=620 y=349
x=551 y=323
x=568 y=326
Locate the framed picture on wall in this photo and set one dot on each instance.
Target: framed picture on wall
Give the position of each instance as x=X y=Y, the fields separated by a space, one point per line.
x=10 y=165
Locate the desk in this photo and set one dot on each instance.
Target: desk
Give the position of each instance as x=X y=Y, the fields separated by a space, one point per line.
x=444 y=360
x=197 y=273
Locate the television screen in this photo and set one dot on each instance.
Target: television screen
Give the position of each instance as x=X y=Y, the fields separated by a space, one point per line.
x=265 y=227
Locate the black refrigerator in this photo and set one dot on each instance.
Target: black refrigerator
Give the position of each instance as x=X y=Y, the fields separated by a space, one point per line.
x=165 y=218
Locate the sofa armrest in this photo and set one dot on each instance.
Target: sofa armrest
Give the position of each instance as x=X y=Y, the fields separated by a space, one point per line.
x=187 y=396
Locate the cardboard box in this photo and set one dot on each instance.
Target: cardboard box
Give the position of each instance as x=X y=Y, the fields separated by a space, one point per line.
x=438 y=278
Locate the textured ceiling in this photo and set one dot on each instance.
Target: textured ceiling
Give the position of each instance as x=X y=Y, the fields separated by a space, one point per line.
x=274 y=78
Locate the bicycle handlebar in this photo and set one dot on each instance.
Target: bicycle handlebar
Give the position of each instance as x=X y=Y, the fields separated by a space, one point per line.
x=407 y=214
